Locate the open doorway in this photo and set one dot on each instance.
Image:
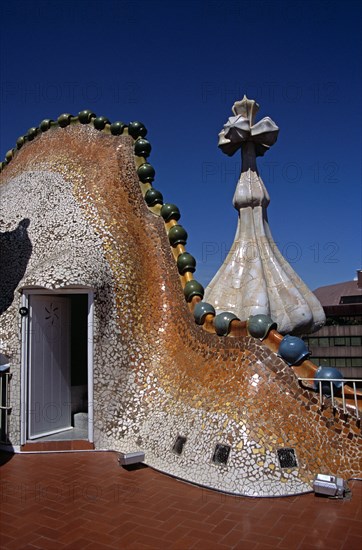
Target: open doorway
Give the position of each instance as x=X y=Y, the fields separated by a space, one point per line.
x=58 y=368
x=79 y=365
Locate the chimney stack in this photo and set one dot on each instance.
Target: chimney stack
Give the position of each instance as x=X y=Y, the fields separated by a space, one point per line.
x=359 y=278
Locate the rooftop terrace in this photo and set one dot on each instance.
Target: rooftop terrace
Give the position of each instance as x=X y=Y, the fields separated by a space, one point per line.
x=85 y=500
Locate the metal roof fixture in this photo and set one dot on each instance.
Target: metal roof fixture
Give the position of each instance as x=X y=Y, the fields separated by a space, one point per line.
x=330 y=486
x=125 y=459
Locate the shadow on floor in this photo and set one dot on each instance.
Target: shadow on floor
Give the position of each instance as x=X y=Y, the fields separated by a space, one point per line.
x=5 y=457
x=133 y=467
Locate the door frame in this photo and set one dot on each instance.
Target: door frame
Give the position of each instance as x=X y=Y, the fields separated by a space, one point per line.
x=26 y=293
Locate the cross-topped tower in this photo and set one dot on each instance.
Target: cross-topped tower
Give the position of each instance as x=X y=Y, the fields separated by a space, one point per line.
x=255 y=278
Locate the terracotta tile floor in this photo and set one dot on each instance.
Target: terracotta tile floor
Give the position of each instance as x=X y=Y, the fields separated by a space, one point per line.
x=87 y=501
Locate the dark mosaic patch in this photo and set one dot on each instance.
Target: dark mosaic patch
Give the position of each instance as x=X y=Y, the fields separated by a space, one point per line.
x=287 y=458
x=221 y=454
x=179 y=444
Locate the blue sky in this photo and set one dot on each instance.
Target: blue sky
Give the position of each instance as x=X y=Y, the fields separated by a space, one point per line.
x=178 y=67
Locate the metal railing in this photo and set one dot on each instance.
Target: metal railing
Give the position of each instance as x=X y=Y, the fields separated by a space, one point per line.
x=5 y=408
x=330 y=381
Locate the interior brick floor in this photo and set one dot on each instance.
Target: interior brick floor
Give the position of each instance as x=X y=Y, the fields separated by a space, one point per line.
x=85 y=500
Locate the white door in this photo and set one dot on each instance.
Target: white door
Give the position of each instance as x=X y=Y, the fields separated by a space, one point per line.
x=49 y=399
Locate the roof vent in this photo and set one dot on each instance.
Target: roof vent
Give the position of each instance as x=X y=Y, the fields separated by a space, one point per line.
x=287 y=458
x=221 y=454
x=178 y=446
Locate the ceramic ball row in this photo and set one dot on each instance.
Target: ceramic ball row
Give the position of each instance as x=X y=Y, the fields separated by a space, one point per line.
x=177 y=235
x=221 y=321
x=292 y=349
x=135 y=129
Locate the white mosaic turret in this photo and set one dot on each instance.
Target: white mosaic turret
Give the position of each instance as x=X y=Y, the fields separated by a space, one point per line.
x=255 y=278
